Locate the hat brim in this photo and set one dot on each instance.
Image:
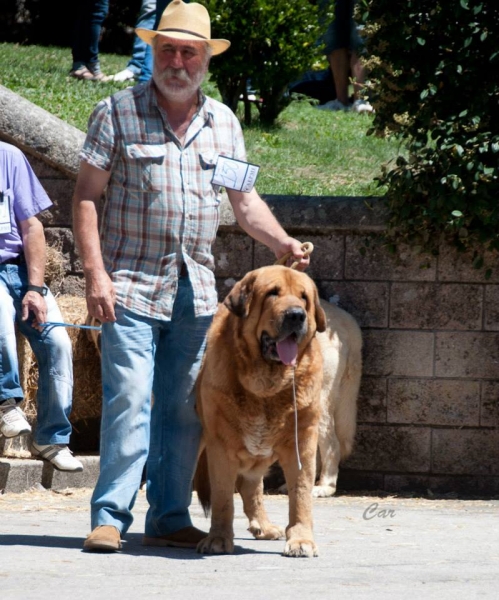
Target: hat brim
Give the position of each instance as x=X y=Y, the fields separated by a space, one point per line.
x=217 y=46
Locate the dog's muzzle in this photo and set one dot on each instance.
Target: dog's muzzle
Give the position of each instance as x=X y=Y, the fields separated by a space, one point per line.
x=291 y=330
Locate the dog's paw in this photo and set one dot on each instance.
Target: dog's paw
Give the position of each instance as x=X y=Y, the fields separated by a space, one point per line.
x=300 y=549
x=282 y=489
x=323 y=491
x=215 y=544
x=268 y=532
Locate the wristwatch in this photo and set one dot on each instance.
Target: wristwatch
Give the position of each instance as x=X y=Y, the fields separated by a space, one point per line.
x=42 y=290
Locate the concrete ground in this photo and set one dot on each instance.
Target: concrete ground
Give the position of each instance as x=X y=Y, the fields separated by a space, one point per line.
x=369 y=547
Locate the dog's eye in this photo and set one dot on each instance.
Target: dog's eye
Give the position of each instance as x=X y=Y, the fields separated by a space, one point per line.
x=305 y=297
x=273 y=292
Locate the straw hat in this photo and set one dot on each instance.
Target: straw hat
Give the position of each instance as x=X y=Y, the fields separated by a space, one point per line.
x=183 y=21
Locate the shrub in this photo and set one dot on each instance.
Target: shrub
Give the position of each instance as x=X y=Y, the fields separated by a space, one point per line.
x=433 y=68
x=273 y=42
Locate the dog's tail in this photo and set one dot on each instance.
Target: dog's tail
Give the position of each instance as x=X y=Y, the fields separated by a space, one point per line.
x=201 y=483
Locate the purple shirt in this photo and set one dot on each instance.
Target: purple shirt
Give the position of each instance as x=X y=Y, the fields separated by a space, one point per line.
x=21 y=197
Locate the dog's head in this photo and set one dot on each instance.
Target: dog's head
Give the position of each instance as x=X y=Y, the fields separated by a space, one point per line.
x=281 y=310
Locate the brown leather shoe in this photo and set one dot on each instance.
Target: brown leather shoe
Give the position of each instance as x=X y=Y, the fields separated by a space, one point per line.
x=104 y=538
x=188 y=537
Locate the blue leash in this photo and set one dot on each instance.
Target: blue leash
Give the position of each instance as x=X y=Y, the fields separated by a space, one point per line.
x=52 y=324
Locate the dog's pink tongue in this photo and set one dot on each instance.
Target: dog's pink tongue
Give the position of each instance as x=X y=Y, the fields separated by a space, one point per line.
x=288 y=351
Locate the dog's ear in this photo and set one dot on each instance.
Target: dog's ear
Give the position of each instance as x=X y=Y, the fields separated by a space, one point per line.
x=238 y=300
x=320 y=315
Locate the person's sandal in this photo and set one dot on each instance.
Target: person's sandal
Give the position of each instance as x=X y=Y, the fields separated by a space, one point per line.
x=82 y=73
x=86 y=74
x=188 y=537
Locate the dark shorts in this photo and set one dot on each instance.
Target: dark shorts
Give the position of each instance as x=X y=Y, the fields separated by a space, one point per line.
x=343 y=32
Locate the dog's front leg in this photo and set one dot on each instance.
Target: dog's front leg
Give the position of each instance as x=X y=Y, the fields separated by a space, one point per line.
x=223 y=474
x=299 y=532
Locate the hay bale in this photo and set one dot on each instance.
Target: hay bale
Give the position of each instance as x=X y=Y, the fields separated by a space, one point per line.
x=87 y=392
x=55 y=269
x=28 y=375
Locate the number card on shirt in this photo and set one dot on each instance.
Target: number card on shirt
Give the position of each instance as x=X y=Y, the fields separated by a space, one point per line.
x=5 y=225
x=235 y=174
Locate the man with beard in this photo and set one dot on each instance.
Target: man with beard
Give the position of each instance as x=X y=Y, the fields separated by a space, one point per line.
x=149 y=274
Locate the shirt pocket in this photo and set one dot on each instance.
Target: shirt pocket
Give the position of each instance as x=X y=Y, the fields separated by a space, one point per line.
x=207 y=162
x=146 y=167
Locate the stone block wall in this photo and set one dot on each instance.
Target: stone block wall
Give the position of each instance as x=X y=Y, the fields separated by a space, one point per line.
x=428 y=418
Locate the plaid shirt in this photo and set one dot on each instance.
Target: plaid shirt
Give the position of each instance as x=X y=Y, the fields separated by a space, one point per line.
x=161 y=208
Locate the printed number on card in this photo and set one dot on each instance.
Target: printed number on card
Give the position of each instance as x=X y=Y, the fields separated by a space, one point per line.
x=235 y=174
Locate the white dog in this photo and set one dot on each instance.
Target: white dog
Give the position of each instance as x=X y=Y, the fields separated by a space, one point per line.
x=341 y=346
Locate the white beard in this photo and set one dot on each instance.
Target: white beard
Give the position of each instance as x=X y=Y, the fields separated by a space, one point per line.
x=177 y=92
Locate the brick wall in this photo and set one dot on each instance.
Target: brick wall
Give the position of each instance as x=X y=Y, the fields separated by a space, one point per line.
x=429 y=403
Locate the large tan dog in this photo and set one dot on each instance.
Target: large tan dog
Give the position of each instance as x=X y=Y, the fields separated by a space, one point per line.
x=262 y=357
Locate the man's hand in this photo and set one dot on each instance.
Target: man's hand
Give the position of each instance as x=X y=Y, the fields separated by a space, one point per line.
x=101 y=296
x=297 y=255
x=35 y=303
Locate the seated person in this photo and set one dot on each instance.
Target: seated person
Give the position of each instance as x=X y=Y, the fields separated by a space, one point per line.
x=27 y=302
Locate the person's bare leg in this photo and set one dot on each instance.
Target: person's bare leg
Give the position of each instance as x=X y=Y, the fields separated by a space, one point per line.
x=339 y=63
x=360 y=104
x=358 y=74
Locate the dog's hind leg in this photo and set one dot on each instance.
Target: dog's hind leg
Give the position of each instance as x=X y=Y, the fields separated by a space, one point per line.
x=251 y=490
x=339 y=422
x=329 y=451
x=345 y=414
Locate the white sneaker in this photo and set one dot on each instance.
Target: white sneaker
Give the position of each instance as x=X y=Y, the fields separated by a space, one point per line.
x=12 y=420
x=333 y=105
x=125 y=75
x=59 y=455
x=362 y=106
x=251 y=97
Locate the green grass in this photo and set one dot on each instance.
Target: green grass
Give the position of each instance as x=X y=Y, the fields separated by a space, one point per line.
x=308 y=152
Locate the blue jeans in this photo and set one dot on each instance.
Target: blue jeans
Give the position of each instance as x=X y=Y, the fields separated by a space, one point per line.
x=146 y=20
x=53 y=352
x=141 y=355
x=86 y=33
x=147 y=65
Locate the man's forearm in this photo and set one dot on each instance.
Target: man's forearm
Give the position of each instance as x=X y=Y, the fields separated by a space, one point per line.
x=34 y=250
x=90 y=186
x=257 y=220
x=86 y=232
